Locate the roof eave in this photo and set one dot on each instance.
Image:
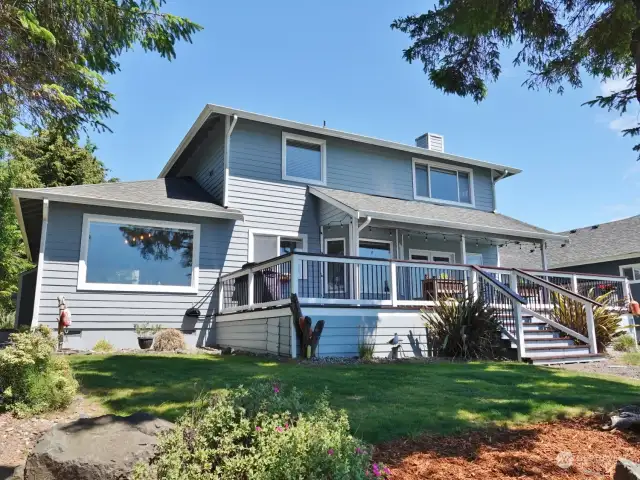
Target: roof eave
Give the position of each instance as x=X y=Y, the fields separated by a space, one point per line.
x=219 y=109
x=231 y=214
x=462 y=226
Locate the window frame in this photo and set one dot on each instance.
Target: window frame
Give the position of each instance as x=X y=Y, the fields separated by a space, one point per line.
x=632 y=266
x=326 y=264
x=279 y=234
x=442 y=166
x=323 y=158
x=481 y=264
x=431 y=253
x=82 y=283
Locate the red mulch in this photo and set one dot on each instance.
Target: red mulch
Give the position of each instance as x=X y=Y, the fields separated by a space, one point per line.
x=531 y=452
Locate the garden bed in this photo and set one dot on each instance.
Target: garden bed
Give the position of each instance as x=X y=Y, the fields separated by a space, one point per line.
x=568 y=449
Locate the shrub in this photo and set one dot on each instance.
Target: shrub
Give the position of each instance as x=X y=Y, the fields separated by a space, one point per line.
x=467 y=328
x=169 y=340
x=631 y=358
x=366 y=349
x=606 y=317
x=103 y=345
x=7 y=320
x=624 y=343
x=146 y=329
x=261 y=433
x=32 y=378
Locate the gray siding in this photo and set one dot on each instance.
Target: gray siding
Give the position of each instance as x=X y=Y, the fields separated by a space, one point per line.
x=207 y=163
x=344 y=330
x=330 y=215
x=257 y=154
x=115 y=313
x=270 y=333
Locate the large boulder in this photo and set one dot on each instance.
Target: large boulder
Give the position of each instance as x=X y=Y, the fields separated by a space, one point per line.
x=626 y=470
x=101 y=448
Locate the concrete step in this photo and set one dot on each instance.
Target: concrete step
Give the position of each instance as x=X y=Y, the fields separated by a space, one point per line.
x=562 y=359
x=556 y=351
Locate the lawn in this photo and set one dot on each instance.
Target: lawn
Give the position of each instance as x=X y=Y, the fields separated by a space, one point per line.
x=384 y=401
x=631 y=358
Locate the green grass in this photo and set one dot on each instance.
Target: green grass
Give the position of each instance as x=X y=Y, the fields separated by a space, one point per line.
x=631 y=358
x=384 y=401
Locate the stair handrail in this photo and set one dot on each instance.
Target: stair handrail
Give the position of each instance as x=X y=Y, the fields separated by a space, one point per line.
x=552 y=286
x=501 y=286
x=517 y=301
x=587 y=302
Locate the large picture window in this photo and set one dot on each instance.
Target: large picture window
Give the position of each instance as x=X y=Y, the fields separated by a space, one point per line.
x=632 y=272
x=303 y=159
x=442 y=183
x=125 y=254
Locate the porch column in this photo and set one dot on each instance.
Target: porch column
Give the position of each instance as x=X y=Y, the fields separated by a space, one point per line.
x=463 y=249
x=543 y=254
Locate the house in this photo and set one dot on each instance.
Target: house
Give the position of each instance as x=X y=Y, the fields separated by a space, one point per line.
x=611 y=248
x=250 y=209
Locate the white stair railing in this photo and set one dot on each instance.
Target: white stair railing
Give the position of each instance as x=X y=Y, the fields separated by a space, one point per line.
x=556 y=306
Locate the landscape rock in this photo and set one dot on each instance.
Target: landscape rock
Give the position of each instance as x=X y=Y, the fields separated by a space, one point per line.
x=625 y=418
x=626 y=470
x=100 y=448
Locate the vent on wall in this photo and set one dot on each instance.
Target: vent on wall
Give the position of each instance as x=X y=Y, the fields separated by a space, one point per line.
x=431 y=141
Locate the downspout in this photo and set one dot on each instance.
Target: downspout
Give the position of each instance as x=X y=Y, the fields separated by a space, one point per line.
x=228 y=130
x=493 y=187
x=366 y=223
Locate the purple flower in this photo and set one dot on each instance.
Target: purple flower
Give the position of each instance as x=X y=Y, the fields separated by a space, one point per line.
x=286 y=426
x=258 y=429
x=330 y=451
x=279 y=429
x=276 y=389
x=376 y=470
x=387 y=470
x=358 y=450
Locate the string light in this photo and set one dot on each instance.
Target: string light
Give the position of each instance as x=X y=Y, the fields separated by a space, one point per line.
x=476 y=242
x=426 y=237
x=444 y=238
x=126 y=241
x=391 y=233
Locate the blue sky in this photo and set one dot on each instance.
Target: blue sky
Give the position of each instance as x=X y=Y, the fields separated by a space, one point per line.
x=340 y=62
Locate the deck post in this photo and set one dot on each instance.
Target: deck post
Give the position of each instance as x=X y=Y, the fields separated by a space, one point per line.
x=394 y=283
x=463 y=249
x=543 y=255
x=250 y=288
x=293 y=278
x=220 y=296
x=591 y=329
x=473 y=287
x=626 y=291
x=574 y=283
x=517 y=317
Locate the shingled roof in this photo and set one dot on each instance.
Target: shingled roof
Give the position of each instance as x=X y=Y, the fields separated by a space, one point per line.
x=171 y=195
x=426 y=213
x=593 y=244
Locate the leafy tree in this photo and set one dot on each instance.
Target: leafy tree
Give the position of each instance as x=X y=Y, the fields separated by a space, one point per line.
x=48 y=159
x=53 y=54
x=460 y=43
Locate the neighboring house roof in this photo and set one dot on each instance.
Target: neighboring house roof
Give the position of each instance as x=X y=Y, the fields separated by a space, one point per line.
x=170 y=195
x=220 y=110
x=594 y=244
x=427 y=213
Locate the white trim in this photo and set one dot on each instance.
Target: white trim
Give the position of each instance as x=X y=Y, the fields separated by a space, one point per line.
x=328 y=132
x=276 y=233
x=375 y=240
x=323 y=158
x=23 y=231
x=632 y=267
x=64 y=198
x=254 y=314
x=433 y=222
x=43 y=243
x=450 y=168
x=334 y=202
x=228 y=130
x=142 y=222
x=431 y=253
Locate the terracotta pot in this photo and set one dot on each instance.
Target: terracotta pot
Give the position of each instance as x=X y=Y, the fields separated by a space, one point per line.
x=145 y=342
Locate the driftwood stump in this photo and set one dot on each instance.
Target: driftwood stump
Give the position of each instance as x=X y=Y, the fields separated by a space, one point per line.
x=625 y=418
x=309 y=337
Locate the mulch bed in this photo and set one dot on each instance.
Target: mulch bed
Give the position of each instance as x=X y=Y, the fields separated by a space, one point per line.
x=567 y=449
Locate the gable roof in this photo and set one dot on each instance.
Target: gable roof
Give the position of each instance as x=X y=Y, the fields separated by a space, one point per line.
x=170 y=195
x=211 y=109
x=594 y=244
x=427 y=213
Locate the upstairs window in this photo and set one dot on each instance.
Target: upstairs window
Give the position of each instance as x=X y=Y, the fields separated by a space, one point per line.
x=632 y=272
x=304 y=159
x=442 y=183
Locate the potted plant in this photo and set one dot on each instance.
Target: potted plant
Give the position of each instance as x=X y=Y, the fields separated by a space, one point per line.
x=145 y=334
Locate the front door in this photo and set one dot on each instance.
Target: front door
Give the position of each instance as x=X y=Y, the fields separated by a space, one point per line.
x=335 y=273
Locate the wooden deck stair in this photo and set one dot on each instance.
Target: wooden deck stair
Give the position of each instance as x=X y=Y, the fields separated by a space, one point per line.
x=545 y=345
